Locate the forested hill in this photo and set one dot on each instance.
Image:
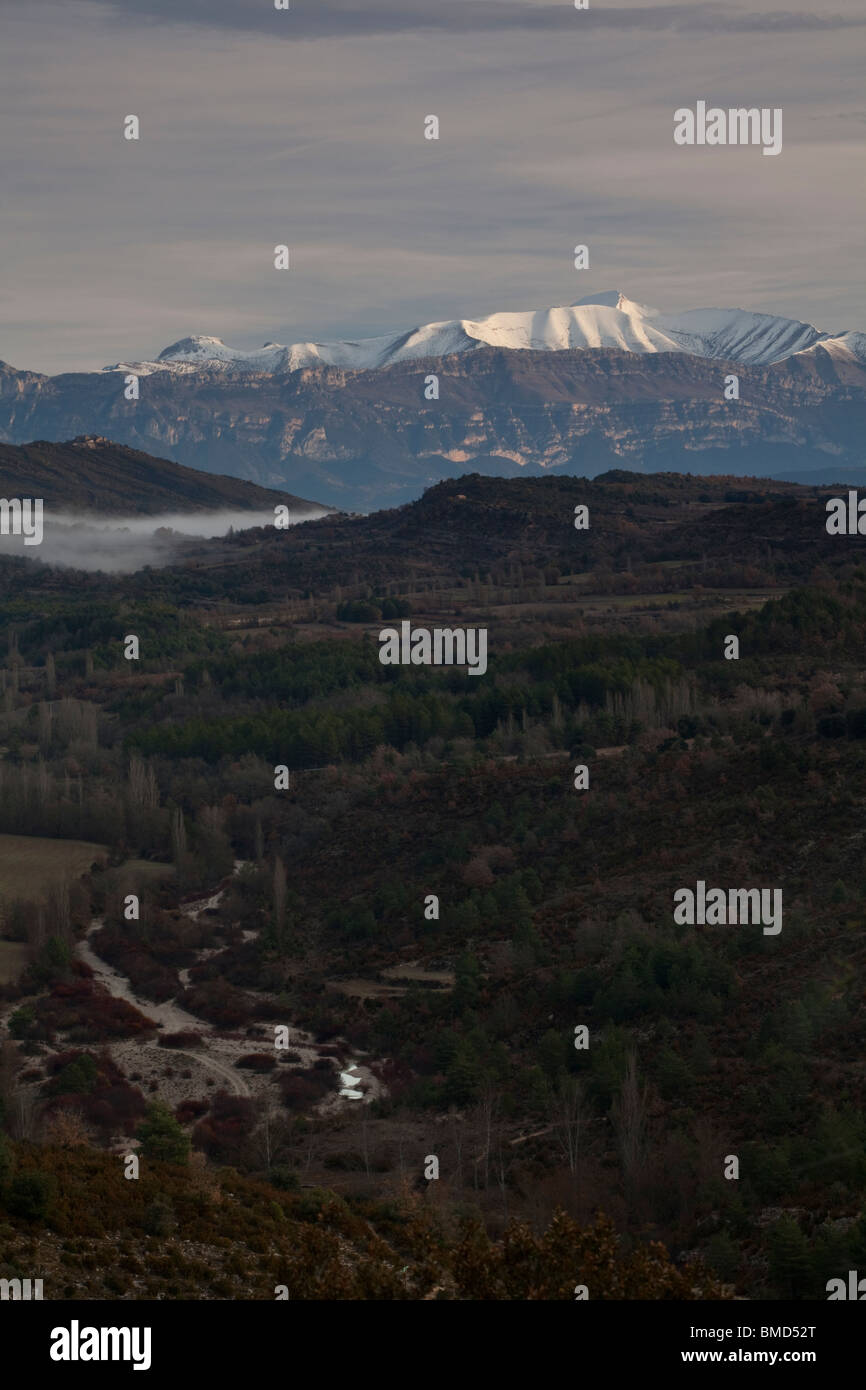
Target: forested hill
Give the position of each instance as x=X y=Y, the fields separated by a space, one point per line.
x=94 y=475
x=521 y=533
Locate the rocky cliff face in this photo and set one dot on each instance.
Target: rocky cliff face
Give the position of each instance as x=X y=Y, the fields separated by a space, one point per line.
x=364 y=439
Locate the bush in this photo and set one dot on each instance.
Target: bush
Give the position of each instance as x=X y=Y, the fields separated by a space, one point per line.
x=189 y=1039
x=358 y=611
x=21 y=1024
x=89 y=1014
x=303 y=1089
x=257 y=1061
x=30 y=1196
x=284 y=1178
x=220 y=1003
x=190 y=1110
x=396 y=608
x=159 y=1219
x=225 y=1133
x=78 y=1077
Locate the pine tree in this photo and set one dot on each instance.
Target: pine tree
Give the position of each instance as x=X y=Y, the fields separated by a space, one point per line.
x=161 y=1137
x=789 y=1257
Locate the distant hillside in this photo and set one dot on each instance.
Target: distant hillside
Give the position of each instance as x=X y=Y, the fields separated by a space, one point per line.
x=94 y=474
x=362 y=439
x=475 y=525
x=477 y=529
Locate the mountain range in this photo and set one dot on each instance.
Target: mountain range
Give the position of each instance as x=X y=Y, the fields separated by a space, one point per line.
x=601 y=384
x=606 y=320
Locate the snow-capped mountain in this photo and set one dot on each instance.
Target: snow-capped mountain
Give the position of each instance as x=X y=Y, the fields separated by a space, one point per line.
x=604 y=383
x=607 y=320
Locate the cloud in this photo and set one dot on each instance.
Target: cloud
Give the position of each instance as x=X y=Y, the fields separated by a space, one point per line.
x=549 y=137
x=341 y=19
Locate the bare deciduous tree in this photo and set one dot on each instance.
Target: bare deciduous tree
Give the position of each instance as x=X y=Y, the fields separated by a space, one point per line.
x=23 y=1115
x=628 y=1116
x=486 y=1113
x=178 y=835
x=280 y=894
x=565 y=1109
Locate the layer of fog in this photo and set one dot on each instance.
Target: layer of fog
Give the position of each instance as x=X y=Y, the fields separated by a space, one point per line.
x=125 y=544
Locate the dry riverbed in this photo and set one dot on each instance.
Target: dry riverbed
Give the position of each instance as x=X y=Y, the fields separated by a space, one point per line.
x=178 y=1074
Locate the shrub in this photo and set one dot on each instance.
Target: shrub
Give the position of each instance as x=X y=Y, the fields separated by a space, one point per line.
x=225 y=1132
x=284 y=1178
x=78 y=1077
x=257 y=1061
x=30 y=1196
x=189 y=1110
x=22 y=1022
x=188 y=1039
x=159 y=1219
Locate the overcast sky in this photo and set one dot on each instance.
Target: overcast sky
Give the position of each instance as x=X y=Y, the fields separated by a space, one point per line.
x=305 y=127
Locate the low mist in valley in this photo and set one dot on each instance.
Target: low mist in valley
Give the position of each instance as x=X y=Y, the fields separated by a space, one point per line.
x=125 y=544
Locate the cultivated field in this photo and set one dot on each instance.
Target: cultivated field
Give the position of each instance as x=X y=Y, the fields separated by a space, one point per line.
x=31 y=866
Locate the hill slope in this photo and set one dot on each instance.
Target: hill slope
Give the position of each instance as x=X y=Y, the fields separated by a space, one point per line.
x=94 y=474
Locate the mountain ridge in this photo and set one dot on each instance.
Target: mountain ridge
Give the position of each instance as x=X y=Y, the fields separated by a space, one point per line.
x=92 y=474
x=359 y=439
x=608 y=319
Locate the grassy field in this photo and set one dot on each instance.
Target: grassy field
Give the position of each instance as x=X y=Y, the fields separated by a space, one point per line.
x=30 y=866
x=136 y=874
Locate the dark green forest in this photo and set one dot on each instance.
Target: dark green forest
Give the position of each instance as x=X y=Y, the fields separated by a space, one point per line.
x=427 y=894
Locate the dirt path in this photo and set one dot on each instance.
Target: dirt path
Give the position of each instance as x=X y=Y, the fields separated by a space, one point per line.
x=236 y=1080
x=218 y=1053
x=172 y=1018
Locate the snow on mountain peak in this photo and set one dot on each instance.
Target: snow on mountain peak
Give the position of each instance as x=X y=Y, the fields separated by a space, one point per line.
x=605 y=320
x=198 y=344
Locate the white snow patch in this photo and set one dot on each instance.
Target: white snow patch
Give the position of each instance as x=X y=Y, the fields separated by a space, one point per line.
x=605 y=320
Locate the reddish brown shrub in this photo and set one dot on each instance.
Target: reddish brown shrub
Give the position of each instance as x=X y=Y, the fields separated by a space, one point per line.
x=187 y=1039
x=257 y=1061
x=189 y=1110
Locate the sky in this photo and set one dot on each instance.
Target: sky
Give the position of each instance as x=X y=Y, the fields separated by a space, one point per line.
x=306 y=127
